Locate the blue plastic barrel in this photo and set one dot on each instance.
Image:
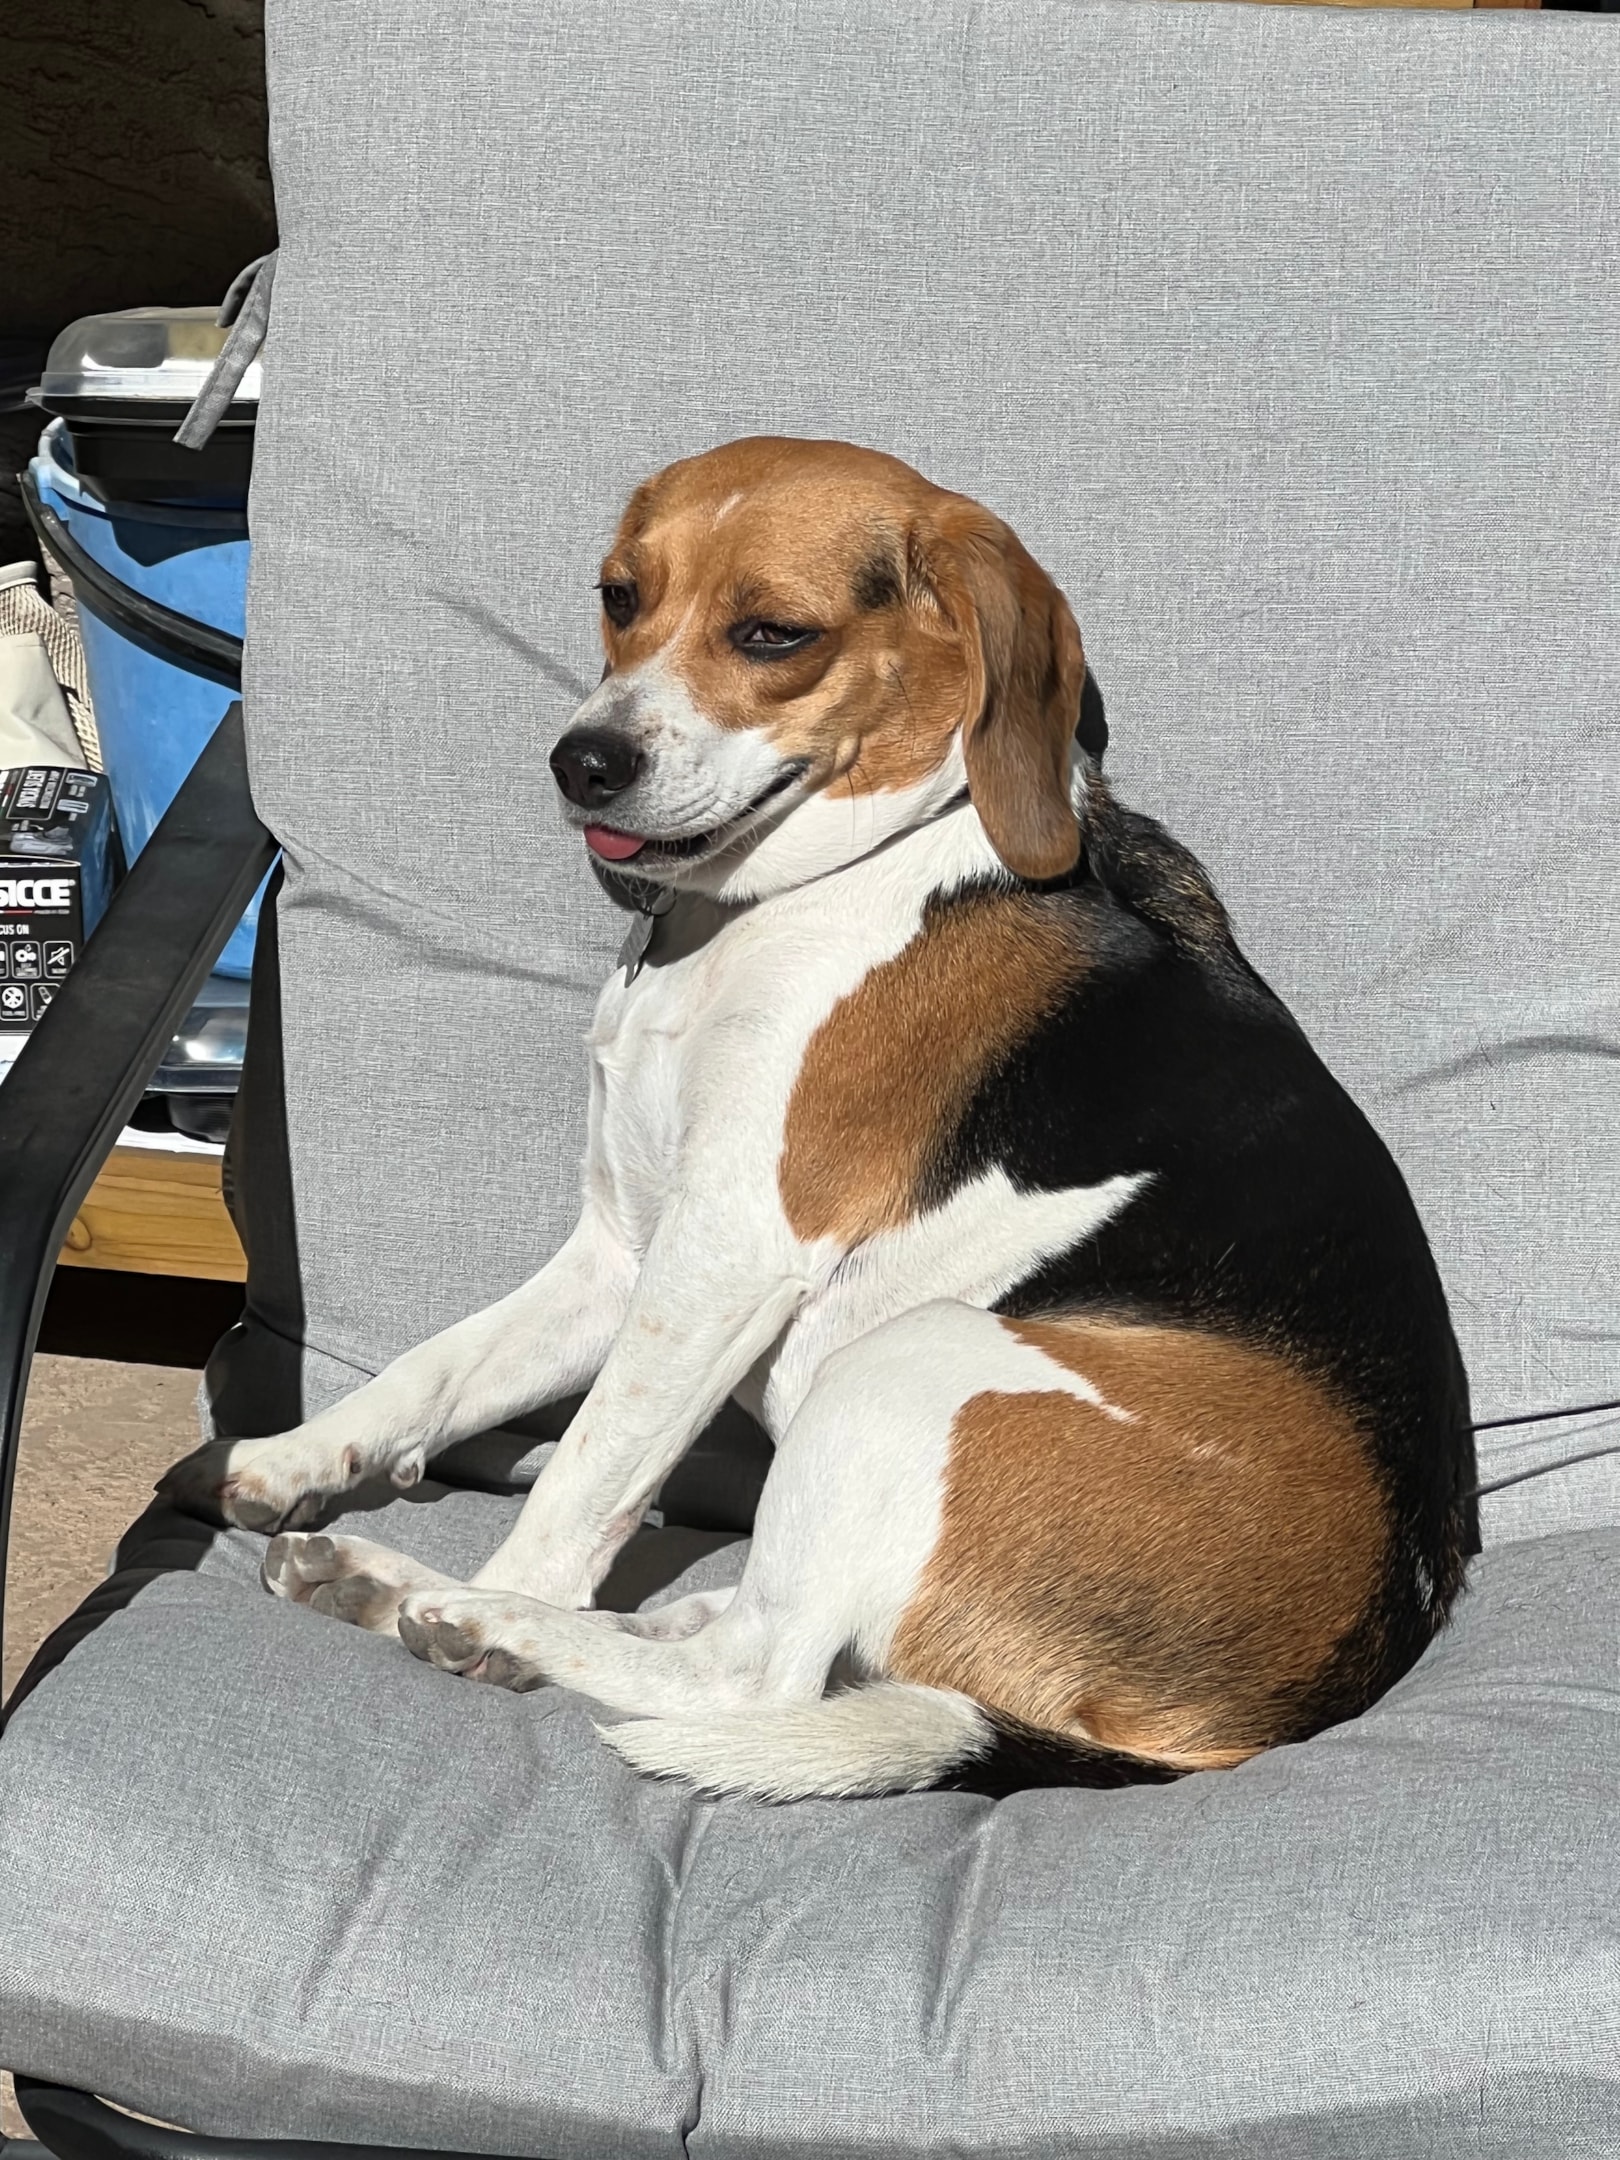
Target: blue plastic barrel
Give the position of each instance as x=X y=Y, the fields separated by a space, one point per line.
x=153 y=714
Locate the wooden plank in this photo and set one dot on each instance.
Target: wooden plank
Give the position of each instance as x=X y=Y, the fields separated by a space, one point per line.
x=153 y=1213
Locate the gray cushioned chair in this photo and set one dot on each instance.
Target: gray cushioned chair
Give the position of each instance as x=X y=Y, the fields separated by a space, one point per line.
x=1289 y=340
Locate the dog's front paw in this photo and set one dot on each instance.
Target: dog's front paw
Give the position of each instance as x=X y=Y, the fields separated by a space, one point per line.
x=264 y=1485
x=477 y=1633
x=347 y=1578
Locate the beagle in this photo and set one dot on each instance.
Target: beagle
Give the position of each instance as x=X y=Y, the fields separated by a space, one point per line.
x=1120 y=1428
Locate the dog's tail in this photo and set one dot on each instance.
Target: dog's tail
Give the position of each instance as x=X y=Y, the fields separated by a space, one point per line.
x=883 y=1738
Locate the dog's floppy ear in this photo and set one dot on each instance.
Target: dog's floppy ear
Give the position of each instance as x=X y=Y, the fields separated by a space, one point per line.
x=1025 y=675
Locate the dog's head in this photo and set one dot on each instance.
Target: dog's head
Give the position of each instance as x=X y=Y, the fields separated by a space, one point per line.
x=809 y=649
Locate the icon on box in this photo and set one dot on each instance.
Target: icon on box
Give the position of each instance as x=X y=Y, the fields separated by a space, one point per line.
x=42 y=994
x=5 y=958
x=58 y=958
x=13 y=1005
x=25 y=960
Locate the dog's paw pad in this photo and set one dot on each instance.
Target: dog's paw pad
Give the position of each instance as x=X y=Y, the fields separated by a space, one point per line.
x=346 y=1578
x=361 y=1600
x=296 y=1564
x=427 y=1634
x=458 y=1637
x=510 y=1669
x=408 y=1470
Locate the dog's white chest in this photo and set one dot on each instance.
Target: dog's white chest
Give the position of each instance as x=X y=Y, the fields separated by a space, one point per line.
x=640 y=1049
x=694 y=1059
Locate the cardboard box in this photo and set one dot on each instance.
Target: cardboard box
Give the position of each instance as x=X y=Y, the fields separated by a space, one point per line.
x=55 y=879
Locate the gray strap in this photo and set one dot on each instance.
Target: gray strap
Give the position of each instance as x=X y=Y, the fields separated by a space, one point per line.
x=246 y=312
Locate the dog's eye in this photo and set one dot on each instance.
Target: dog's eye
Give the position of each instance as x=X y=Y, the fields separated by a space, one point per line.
x=619 y=602
x=767 y=640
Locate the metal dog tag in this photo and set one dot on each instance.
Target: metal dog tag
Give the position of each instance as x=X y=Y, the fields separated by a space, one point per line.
x=634 y=949
x=633 y=952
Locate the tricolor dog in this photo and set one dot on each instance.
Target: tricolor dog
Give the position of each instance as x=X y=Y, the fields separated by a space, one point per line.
x=1120 y=1430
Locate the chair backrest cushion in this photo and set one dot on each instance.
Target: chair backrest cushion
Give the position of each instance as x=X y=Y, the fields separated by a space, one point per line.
x=1288 y=340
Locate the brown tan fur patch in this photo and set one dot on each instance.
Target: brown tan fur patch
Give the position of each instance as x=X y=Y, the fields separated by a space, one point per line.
x=1169 y=1586
x=930 y=615
x=798 y=533
x=889 y=1072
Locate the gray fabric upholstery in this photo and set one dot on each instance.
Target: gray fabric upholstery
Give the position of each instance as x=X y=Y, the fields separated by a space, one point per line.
x=272 y=1876
x=1288 y=340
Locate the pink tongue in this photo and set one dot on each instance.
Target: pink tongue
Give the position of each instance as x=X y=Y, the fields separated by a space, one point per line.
x=610 y=845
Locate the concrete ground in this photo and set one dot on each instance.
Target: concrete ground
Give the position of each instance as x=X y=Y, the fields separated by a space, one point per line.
x=95 y=1437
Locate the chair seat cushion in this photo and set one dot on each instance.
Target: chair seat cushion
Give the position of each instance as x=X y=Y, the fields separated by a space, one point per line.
x=270 y=1876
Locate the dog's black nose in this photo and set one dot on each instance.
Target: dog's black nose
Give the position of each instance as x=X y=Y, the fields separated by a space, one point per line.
x=592 y=766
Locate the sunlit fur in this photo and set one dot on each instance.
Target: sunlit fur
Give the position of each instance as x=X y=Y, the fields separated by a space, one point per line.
x=1120 y=1431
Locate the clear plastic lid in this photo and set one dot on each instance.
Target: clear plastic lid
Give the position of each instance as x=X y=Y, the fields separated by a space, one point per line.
x=157 y=353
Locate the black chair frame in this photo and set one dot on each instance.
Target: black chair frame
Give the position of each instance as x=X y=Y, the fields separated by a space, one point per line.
x=62 y=1107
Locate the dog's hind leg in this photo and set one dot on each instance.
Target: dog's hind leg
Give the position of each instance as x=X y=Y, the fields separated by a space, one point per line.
x=674 y=1622
x=849 y=1516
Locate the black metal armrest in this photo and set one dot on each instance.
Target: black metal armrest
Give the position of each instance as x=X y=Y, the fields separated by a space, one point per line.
x=83 y=1070
x=63 y=1106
